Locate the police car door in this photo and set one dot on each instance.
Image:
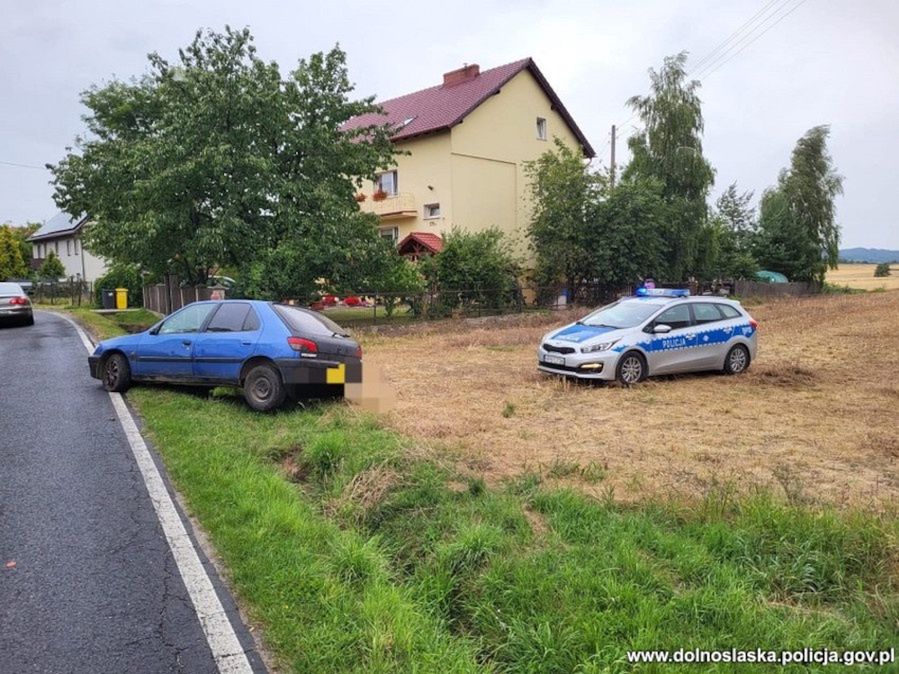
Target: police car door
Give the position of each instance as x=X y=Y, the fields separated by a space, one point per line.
x=672 y=351
x=712 y=333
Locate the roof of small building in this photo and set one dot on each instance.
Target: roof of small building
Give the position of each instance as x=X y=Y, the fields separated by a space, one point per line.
x=427 y=240
x=445 y=105
x=61 y=224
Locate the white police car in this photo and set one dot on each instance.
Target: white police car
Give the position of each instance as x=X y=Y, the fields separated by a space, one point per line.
x=659 y=331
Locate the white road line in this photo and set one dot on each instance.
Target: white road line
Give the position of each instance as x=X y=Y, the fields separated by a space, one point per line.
x=223 y=642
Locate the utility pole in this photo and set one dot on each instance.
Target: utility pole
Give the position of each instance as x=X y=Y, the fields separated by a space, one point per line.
x=612 y=170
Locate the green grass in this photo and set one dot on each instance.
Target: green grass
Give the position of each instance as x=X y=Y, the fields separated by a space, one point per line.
x=104 y=326
x=357 y=554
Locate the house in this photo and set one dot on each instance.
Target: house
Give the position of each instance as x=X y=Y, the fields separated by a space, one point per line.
x=62 y=234
x=467 y=141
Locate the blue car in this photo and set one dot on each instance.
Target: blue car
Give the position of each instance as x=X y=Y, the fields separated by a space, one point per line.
x=273 y=351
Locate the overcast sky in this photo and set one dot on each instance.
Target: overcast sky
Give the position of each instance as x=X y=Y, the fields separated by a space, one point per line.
x=827 y=62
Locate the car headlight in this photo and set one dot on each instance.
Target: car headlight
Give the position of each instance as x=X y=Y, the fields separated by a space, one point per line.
x=603 y=346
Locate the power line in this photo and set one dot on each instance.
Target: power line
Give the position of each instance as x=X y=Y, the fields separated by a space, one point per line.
x=715 y=54
x=708 y=65
x=28 y=166
x=712 y=54
x=783 y=16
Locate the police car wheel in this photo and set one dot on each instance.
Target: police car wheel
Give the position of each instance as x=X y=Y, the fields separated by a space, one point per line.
x=631 y=369
x=737 y=360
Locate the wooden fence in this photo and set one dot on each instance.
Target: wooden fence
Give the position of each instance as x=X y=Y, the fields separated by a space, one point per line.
x=761 y=289
x=164 y=298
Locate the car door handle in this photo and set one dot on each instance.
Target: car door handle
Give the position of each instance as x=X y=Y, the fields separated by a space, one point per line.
x=247 y=343
x=186 y=342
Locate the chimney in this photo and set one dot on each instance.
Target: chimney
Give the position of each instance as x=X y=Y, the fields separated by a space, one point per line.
x=463 y=74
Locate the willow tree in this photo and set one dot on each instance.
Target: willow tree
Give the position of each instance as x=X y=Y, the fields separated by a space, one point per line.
x=798 y=233
x=668 y=150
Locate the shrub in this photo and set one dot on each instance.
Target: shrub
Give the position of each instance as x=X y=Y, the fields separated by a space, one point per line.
x=474 y=269
x=121 y=276
x=883 y=269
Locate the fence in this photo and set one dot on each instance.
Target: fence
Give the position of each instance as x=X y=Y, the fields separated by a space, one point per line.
x=374 y=307
x=760 y=289
x=72 y=291
x=164 y=298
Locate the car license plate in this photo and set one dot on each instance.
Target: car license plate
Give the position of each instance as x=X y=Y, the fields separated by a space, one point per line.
x=553 y=360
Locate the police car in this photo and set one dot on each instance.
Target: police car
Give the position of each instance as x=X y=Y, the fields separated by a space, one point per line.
x=658 y=331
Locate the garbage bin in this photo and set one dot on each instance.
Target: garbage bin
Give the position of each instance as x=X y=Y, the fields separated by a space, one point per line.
x=108 y=297
x=121 y=298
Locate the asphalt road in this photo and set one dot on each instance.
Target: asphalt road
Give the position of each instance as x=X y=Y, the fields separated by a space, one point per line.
x=94 y=587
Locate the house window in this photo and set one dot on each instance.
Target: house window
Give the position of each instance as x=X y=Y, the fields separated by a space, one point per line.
x=541 y=128
x=432 y=211
x=386 y=182
x=77 y=245
x=389 y=233
x=69 y=247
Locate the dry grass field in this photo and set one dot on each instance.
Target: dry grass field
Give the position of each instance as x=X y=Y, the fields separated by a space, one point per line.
x=862 y=276
x=815 y=418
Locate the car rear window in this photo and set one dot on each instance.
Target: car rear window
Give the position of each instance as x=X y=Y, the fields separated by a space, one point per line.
x=303 y=321
x=11 y=289
x=729 y=311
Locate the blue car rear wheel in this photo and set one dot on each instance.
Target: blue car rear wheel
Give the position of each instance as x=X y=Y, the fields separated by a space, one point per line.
x=263 y=388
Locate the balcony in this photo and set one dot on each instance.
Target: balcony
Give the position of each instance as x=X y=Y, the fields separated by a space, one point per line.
x=396 y=207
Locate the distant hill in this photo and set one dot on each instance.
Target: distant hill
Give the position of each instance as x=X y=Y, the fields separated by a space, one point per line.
x=869 y=255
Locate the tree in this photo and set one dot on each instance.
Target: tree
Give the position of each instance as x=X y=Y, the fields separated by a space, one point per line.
x=624 y=234
x=219 y=160
x=11 y=263
x=882 y=270
x=562 y=189
x=472 y=268
x=52 y=268
x=401 y=280
x=21 y=234
x=798 y=232
x=734 y=226
x=669 y=150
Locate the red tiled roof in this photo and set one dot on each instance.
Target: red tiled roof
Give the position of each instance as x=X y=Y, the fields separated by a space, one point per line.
x=444 y=106
x=430 y=241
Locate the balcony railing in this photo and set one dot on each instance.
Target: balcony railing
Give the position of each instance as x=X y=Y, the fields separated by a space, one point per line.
x=394 y=207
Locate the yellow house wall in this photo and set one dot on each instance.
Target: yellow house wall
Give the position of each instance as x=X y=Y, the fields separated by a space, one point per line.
x=502 y=129
x=425 y=173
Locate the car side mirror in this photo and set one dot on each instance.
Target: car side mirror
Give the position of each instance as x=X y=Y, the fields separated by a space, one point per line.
x=661 y=329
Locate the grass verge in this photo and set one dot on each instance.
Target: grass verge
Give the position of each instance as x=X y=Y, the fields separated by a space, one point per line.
x=359 y=552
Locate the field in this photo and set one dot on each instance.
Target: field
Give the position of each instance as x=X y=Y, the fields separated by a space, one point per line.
x=815 y=417
x=862 y=276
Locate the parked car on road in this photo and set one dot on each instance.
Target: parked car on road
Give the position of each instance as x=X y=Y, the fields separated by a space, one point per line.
x=659 y=331
x=273 y=351
x=15 y=306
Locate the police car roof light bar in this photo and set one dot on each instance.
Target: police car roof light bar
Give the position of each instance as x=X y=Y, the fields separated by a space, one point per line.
x=662 y=292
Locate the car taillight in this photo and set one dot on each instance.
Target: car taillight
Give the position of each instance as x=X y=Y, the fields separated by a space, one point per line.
x=19 y=300
x=302 y=345
x=359 y=352
x=753 y=323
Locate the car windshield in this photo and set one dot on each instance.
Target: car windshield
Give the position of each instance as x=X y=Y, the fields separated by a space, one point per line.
x=621 y=314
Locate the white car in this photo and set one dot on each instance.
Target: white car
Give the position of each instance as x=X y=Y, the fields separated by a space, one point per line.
x=658 y=331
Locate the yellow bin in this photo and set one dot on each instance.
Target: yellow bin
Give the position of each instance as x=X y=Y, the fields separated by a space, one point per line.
x=121 y=298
